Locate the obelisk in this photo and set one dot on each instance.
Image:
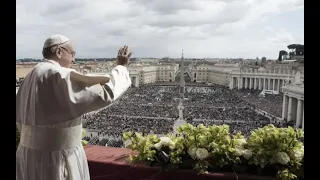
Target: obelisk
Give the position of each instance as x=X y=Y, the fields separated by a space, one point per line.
x=180 y=121
x=181 y=88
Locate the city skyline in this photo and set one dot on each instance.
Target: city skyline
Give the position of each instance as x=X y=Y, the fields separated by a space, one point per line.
x=204 y=29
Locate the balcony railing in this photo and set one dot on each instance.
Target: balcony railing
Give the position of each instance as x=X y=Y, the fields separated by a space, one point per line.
x=111 y=163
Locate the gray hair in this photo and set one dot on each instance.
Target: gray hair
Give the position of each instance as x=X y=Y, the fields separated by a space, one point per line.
x=49 y=52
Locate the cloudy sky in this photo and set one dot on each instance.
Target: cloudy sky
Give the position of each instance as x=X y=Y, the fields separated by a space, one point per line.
x=160 y=28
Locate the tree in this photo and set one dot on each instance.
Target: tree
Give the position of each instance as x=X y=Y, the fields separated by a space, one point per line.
x=282 y=55
x=263 y=60
x=295 y=46
x=296 y=50
x=291 y=54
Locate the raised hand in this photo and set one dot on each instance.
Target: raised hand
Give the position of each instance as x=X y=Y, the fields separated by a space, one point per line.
x=124 y=55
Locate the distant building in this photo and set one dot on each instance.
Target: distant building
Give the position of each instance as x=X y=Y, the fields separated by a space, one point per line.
x=263 y=60
x=235 y=75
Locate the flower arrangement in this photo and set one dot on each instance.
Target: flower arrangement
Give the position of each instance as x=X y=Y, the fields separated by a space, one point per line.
x=212 y=148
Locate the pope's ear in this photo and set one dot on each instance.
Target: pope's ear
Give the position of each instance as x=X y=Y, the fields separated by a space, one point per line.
x=58 y=52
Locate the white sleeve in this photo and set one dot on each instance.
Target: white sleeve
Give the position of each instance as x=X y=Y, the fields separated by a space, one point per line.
x=119 y=82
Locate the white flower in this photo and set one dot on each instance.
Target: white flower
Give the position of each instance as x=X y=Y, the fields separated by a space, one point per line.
x=172 y=145
x=201 y=154
x=282 y=158
x=165 y=141
x=247 y=154
x=223 y=146
x=298 y=154
x=238 y=151
x=127 y=143
x=158 y=146
x=192 y=151
x=241 y=142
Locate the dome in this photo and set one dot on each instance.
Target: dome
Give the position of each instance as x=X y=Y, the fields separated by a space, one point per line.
x=261 y=69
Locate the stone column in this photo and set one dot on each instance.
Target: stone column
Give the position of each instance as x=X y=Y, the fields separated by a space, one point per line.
x=284 y=107
x=299 y=111
x=265 y=83
x=246 y=83
x=279 y=87
x=274 y=85
x=234 y=80
x=250 y=85
x=290 y=109
x=255 y=83
x=260 y=83
x=239 y=83
x=269 y=84
x=231 y=83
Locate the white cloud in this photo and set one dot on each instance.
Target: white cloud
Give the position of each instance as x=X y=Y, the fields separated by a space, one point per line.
x=158 y=28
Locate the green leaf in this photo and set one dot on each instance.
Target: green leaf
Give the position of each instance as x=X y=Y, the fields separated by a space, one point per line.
x=84 y=142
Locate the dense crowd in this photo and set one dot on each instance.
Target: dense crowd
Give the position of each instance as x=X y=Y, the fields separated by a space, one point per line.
x=143 y=110
x=270 y=103
x=112 y=142
x=114 y=125
x=154 y=109
x=224 y=113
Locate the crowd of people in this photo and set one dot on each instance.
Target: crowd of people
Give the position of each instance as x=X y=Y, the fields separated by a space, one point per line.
x=153 y=108
x=112 y=142
x=271 y=103
x=223 y=113
x=114 y=125
x=143 y=110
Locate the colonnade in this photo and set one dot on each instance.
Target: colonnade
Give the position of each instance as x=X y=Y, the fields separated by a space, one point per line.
x=135 y=80
x=260 y=83
x=293 y=110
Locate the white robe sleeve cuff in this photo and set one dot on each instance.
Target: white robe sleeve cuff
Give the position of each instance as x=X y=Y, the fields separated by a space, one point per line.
x=119 y=82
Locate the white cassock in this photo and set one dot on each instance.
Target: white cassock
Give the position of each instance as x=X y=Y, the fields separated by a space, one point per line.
x=49 y=105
